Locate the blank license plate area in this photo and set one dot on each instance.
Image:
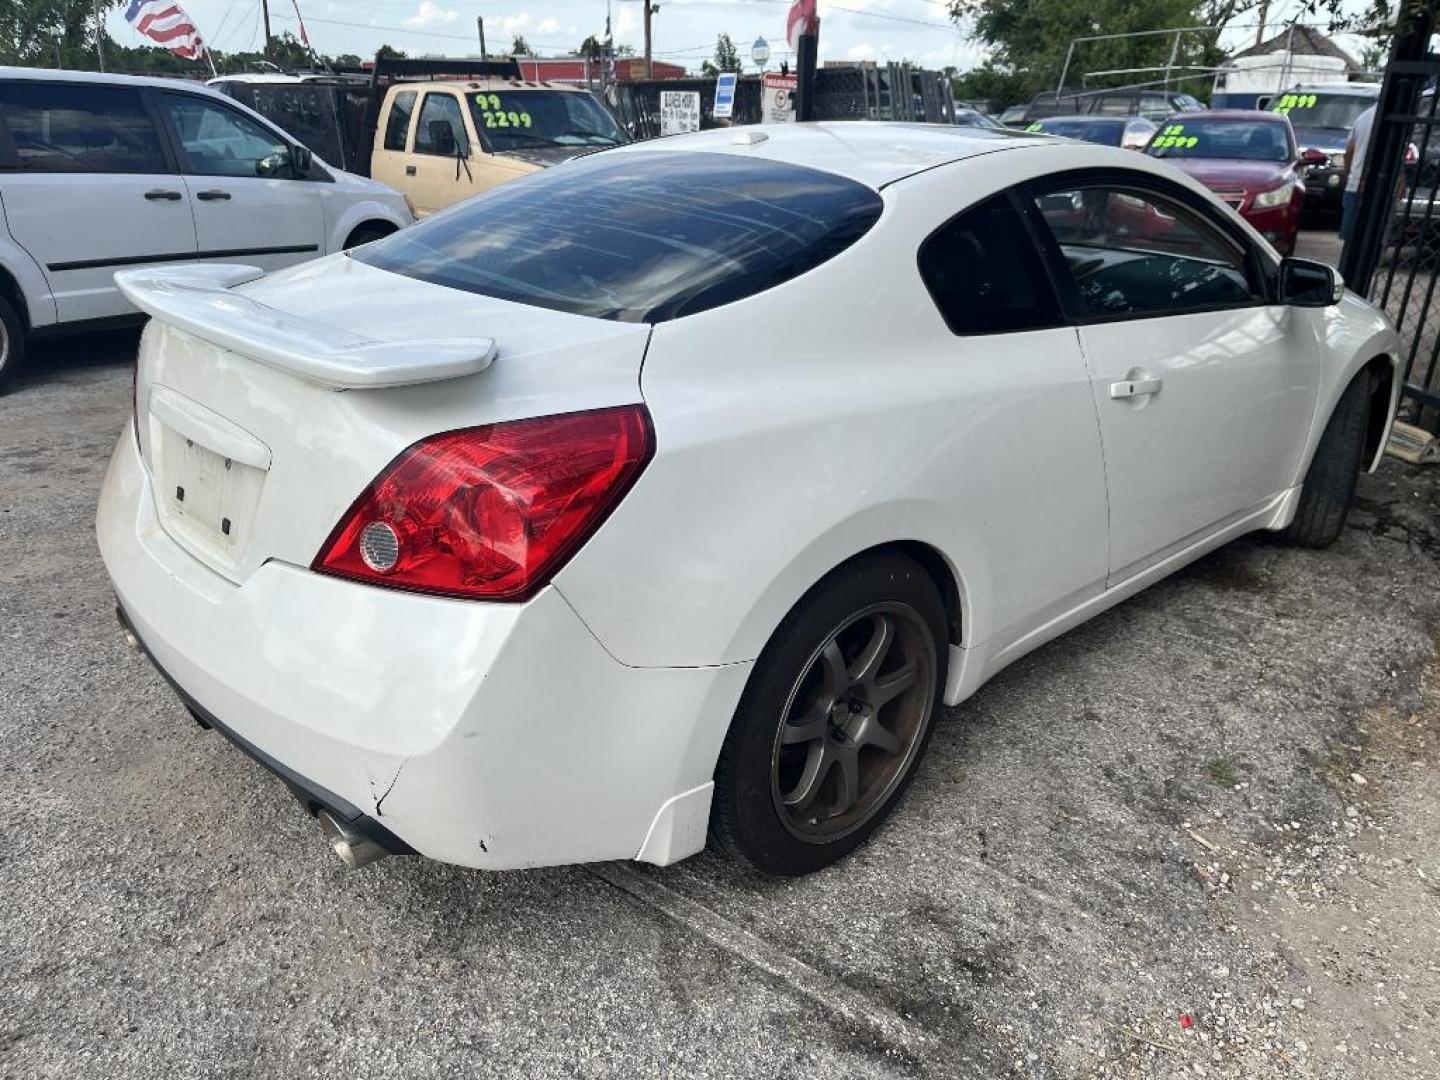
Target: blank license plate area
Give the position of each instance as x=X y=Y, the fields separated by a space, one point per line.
x=206 y=496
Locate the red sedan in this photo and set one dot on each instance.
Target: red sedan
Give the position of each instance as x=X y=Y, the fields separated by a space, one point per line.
x=1249 y=159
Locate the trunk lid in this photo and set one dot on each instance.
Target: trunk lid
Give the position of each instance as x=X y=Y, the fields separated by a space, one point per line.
x=256 y=453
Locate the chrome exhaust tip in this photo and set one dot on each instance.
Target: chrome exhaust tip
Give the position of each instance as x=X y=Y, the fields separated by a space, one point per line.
x=354 y=848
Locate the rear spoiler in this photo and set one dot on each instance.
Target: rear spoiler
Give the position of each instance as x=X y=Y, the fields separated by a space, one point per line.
x=199 y=300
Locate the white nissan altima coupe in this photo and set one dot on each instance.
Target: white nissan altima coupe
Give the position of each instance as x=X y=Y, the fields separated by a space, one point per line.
x=669 y=493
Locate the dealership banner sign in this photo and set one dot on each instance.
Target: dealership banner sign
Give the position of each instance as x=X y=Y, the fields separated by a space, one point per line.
x=679 y=111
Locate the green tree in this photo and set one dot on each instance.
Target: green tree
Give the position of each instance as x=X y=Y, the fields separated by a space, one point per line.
x=50 y=33
x=727 y=57
x=520 y=47
x=288 y=51
x=592 y=48
x=1028 y=42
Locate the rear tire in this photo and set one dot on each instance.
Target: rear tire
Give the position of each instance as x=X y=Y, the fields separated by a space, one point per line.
x=12 y=341
x=1329 y=486
x=834 y=719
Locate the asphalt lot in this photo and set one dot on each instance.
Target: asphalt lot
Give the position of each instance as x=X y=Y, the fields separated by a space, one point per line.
x=1220 y=801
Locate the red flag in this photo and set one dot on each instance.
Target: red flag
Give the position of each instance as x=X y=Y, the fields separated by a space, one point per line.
x=301 y=20
x=801 y=20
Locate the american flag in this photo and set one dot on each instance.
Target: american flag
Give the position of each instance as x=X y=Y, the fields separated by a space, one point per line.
x=166 y=23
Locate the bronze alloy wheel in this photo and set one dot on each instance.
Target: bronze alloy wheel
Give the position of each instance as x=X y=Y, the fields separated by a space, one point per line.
x=853 y=721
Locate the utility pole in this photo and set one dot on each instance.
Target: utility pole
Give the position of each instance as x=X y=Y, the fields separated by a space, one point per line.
x=649 y=64
x=1264 y=13
x=265 y=12
x=99 y=36
x=480 y=25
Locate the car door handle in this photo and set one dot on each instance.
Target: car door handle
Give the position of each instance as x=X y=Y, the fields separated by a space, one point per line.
x=409 y=170
x=211 y=196
x=1135 y=388
x=161 y=193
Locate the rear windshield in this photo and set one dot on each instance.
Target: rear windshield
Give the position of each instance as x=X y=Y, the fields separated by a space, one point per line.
x=1107 y=132
x=636 y=237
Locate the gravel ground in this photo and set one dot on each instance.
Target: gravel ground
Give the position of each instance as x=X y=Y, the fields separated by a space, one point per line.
x=1196 y=837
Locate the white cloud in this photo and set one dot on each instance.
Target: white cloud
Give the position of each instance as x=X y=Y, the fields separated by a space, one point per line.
x=431 y=14
x=548 y=26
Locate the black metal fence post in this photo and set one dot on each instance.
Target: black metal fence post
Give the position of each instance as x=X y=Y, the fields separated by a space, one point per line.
x=1405 y=77
x=806 y=53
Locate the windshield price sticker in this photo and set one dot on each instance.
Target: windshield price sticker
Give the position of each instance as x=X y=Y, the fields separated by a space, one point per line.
x=1173 y=135
x=1294 y=101
x=1036 y=126
x=495 y=115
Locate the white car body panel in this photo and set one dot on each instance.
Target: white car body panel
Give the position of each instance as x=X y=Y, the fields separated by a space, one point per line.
x=79 y=228
x=936 y=457
x=794 y=429
x=1252 y=373
x=28 y=275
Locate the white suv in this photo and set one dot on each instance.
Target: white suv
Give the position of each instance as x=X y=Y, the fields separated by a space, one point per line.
x=102 y=172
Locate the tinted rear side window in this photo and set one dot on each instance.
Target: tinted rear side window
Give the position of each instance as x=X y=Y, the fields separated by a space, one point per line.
x=59 y=127
x=636 y=237
x=985 y=274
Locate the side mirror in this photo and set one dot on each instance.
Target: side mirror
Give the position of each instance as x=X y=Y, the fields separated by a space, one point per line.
x=442 y=137
x=1312 y=156
x=302 y=159
x=1309 y=284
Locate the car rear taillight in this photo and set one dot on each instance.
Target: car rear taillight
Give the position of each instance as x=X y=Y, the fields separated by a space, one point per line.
x=490 y=512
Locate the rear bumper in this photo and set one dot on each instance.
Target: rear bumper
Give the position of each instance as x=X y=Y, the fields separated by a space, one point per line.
x=310 y=794
x=488 y=735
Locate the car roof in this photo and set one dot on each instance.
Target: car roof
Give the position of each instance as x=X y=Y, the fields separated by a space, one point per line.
x=186 y=86
x=1089 y=118
x=22 y=74
x=1251 y=115
x=871 y=153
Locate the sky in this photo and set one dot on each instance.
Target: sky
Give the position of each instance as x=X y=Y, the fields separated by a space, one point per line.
x=684 y=30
